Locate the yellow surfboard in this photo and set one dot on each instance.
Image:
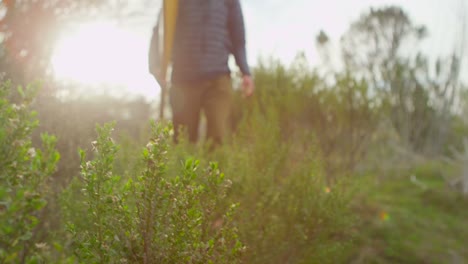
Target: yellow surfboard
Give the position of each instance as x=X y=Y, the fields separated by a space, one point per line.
x=169 y=16
x=170 y=8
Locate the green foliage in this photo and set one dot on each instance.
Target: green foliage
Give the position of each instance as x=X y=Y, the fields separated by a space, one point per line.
x=419 y=95
x=412 y=217
x=340 y=114
x=24 y=171
x=101 y=240
x=167 y=218
x=73 y=121
x=287 y=199
x=289 y=211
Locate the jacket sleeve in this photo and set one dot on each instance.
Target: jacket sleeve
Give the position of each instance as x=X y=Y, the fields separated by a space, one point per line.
x=154 y=56
x=236 y=29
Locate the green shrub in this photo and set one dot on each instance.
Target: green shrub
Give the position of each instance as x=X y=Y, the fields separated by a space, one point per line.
x=101 y=240
x=289 y=212
x=339 y=112
x=156 y=216
x=24 y=171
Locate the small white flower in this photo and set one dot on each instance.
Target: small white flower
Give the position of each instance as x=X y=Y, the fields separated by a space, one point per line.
x=42 y=245
x=32 y=152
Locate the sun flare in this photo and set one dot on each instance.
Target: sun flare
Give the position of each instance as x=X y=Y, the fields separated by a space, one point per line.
x=101 y=53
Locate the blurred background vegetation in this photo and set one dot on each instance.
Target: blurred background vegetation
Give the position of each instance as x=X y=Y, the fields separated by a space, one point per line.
x=363 y=164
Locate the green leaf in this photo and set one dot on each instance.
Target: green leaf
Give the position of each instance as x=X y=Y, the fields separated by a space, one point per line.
x=21 y=91
x=26 y=236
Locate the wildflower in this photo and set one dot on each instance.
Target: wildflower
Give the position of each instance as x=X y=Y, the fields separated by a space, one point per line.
x=384 y=216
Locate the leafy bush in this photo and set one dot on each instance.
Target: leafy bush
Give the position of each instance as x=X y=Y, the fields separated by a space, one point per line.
x=24 y=171
x=339 y=112
x=157 y=216
x=289 y=212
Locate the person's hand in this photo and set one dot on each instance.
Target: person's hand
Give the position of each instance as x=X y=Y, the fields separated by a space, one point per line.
x=248 y=86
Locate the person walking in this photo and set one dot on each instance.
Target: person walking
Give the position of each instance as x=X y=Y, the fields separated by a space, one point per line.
x=207 y=33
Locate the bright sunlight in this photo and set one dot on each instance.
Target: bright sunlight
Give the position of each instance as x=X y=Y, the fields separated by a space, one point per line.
x=102 y=54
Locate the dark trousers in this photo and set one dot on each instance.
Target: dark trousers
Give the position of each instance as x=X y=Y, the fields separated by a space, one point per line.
x=212 y=97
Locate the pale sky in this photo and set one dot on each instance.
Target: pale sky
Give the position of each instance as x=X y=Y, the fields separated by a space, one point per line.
x=278 y=28
x=282 y=28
